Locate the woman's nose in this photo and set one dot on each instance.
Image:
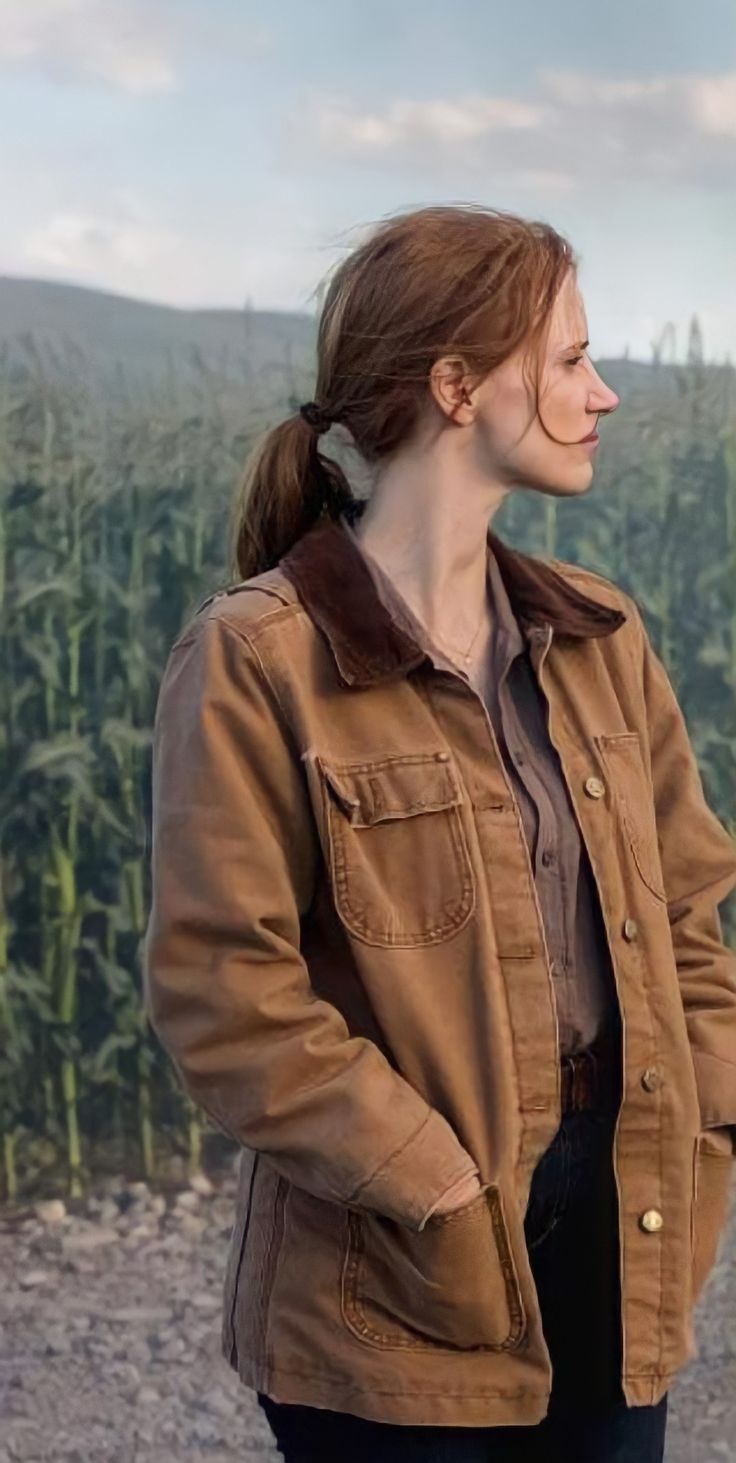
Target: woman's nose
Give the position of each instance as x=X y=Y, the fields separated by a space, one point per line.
x=605 y=399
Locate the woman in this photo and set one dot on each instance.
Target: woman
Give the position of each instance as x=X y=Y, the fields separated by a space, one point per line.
x=434 y=932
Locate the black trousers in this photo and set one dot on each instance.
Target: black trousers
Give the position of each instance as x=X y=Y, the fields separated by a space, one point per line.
x=571 y=1229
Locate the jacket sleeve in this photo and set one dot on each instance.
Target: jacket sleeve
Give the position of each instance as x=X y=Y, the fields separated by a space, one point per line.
x=699 y=867
x=234 y=853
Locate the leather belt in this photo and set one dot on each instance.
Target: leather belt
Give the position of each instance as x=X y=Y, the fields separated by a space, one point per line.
x=585 y=1078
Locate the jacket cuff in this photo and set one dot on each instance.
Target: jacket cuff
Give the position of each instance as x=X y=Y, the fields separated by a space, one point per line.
x=458 y=1184
x=413 y=1180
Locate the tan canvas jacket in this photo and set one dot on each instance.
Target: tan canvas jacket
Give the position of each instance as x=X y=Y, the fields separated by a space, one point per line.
x=346 y=961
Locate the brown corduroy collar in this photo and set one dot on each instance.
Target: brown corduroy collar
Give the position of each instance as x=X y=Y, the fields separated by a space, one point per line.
x=336 y=588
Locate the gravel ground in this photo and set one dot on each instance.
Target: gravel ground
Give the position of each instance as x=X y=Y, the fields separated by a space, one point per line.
x=109 y=1338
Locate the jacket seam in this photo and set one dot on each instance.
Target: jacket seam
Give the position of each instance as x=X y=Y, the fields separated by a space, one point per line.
x=382 y=1392
x=263 y=622
x=255 y=652
x=645 y=1376
x=428 y=695
x=386 y=1161
x=274 y=1371
x=714 y=1057
x=269 y=682
x=231 y=1324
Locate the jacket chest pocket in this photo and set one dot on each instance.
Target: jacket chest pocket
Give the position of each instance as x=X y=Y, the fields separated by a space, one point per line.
x=633 y=797
x=398 y=857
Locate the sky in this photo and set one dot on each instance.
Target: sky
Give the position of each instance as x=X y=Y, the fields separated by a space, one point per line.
x=218 y=152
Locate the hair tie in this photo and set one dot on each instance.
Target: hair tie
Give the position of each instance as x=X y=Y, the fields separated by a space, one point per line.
x=317 y=416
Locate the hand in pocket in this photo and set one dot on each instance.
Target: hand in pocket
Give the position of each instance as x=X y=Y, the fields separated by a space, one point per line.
x=452 y=1284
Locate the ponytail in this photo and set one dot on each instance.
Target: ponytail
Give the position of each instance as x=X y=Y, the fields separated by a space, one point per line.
x=287 y=485
x=466 y=281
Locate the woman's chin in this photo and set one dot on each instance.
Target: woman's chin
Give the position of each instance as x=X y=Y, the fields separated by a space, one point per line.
x=567 y=484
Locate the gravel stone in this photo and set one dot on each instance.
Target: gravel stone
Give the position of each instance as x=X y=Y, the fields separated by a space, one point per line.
x=110 y=1345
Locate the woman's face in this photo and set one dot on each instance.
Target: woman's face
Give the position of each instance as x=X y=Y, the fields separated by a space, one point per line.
x=518 y=446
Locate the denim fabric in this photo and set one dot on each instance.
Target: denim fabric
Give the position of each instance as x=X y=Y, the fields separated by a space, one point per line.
x=571 y=1232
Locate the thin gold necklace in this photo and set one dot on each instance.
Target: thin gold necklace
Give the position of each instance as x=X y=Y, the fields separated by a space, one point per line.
x=466 y=655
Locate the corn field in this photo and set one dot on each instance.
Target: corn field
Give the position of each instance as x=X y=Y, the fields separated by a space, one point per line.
x=114 y=506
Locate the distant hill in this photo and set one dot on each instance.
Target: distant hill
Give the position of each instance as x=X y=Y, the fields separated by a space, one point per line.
x=266 y=355
x=79 y=329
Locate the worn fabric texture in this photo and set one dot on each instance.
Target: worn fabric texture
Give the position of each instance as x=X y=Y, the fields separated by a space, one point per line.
x=580 y=963
x=347 y=960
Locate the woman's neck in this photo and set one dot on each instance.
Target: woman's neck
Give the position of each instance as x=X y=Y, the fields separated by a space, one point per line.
x=450 y=599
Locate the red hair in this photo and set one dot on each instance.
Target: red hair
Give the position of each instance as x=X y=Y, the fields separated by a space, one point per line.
x=440 y=281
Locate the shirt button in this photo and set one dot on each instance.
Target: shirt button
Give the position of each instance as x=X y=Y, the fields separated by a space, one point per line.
x=548 y=856
x=631 y=929
x=651 y=1079
x=594 y=787
x=651 y=1220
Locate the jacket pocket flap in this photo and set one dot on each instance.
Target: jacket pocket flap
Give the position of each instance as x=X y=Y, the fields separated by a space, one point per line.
x=370 y=792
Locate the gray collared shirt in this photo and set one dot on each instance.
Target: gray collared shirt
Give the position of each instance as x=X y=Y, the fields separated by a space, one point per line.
x=574 y=929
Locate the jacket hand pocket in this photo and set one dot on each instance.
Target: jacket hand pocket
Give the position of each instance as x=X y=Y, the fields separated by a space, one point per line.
x=713 y=1170
x=454 y=1284
x=398 y=857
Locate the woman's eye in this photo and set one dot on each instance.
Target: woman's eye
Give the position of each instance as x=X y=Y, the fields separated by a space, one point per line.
x=574 y=363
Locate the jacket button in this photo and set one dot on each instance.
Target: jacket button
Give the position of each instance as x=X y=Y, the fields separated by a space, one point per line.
x=594 y=787
x=651 y=1220
x=442 y=756
x=651 y=1078
x=631 y=929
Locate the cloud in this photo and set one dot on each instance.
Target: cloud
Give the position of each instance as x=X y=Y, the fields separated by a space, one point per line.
x=713 y=103
x=120 y=44
x=124 y=245
x=571 y=129
x=135 y=46
x=119 y=242
x=413 y=128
